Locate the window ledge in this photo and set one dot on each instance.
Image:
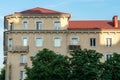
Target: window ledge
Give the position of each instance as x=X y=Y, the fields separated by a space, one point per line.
x=23 y=64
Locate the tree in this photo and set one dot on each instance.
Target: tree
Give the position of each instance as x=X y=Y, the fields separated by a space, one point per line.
x=47 y=65
x=85 y=65
x=2 y=74
x=111 y=68
x=81 y=65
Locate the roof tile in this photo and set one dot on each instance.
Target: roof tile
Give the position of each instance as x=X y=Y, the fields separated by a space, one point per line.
x=39 y=10
x=96 y=24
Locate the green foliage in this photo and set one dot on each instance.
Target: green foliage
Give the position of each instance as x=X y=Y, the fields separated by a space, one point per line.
x=47 y=65
x=111 y=68
x=81 y=65
x=85 y=65
x=2 y=74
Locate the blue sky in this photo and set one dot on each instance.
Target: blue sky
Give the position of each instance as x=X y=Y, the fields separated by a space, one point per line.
x=79 y=9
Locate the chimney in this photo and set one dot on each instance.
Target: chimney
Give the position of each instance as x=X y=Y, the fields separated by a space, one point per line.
x=115 y=21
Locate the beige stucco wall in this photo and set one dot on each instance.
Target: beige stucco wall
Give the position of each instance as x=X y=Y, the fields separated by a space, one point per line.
x=84 y=40
x=13 y=59
x=48 y=21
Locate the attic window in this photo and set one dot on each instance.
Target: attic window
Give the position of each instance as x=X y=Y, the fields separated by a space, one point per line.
x=39 y=25
x=57 y=25
x=25 y=24
x=11 y=26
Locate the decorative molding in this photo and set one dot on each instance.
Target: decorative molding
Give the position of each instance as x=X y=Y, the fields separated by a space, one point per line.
x=37 y=16
x=60 y=31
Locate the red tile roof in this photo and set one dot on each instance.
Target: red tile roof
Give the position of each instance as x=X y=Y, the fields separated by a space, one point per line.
x=39 y=10
x=96 y=24
x=74 y=25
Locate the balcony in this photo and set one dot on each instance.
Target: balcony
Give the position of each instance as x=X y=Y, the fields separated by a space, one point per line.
x=18 y=49
x=74 y=46
x=5 y=59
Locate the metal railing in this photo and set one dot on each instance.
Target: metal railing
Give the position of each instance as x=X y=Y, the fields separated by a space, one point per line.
x=74 y=43
x=74 y=47
x=18 y=49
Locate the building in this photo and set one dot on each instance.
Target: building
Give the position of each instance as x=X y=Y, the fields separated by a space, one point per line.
x=31 y=30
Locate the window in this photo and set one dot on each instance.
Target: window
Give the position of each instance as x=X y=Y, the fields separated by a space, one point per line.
x=57 y=41
x=25 y=24
x=25 y=41
x=10 y=41
x=107 y=56
x=39 y=42
x=92 y=42
x=11 y=26
x=10 y=71
x=22 y=75
x=57 y=25
x=23 y=58
x=108 y=42
x=39 y=25
x=74 y=41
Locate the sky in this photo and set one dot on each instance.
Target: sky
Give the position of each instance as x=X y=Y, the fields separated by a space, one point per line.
x=79 y=10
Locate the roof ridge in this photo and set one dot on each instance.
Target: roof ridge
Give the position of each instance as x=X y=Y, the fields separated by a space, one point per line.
x=39 y=10
x=90 y=20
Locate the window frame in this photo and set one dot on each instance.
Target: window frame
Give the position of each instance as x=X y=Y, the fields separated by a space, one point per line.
x=23 y=59
x=41 y=27
x=23 y=41
x=26 y=24
x=22 y=75
x=92 y=42
x=57 y=28
x=107 y=42
x=10 y=43
x=42 y=41
x=60 y=41
x=72 y=40
x=11 y=26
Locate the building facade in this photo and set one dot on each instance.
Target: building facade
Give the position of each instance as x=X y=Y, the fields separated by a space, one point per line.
x=31 y=30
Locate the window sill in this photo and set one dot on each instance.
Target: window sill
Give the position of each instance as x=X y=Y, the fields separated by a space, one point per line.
x=38 y=46
x=109 y=46
x=23 y=64
x=57 y=46
x=93 y=46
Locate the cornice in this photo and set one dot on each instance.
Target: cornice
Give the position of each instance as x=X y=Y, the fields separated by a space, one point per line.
x=62 y=31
